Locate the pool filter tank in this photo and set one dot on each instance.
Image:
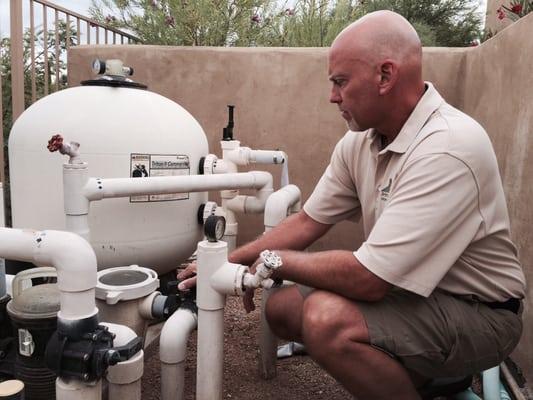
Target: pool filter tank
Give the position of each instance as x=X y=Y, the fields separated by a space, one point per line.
x=124 y=131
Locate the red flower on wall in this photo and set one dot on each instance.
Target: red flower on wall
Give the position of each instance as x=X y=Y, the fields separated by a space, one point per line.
x=516 y=8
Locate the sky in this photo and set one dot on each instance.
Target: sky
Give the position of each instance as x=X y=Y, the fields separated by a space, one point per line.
x=80 y=6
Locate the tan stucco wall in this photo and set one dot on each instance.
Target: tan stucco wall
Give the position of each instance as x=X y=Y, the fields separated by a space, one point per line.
x=281 y=98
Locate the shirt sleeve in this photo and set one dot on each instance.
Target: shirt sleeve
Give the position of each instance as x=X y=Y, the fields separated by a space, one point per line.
x=431 y=217
x=335 y=196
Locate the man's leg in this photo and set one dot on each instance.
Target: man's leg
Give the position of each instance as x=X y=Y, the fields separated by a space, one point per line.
x=336 y=336
x=284 y=313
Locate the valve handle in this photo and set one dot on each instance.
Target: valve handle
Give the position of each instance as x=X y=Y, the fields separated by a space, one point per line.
x=271 y=260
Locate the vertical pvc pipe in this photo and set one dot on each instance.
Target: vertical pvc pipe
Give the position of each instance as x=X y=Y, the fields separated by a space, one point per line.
x=211 y=255
x=72 y=389
x=3 y=289
x=277 y=208
x=173 y=352
x=210 y=354
x=124 y=378
x=491 y=384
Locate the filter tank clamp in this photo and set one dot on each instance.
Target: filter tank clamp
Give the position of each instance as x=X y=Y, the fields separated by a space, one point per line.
x=88 y=357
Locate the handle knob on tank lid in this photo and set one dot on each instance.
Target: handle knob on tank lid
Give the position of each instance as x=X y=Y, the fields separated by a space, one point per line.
x=111 y=68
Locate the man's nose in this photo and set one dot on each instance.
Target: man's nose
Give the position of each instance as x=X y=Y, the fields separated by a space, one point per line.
x=334 y=96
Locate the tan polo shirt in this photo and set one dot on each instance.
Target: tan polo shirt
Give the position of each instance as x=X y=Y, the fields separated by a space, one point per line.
x=432 y=202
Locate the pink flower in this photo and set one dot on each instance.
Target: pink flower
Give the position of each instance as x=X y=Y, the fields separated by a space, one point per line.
x=516 y=8
x=256 y=18
x=501 y=13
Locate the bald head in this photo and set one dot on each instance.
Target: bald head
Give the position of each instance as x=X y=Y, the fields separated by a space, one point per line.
x=379 y=36
x=375 y=65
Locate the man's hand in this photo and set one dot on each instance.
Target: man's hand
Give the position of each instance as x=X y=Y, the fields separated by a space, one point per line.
x=248 y=298
x=188 y=277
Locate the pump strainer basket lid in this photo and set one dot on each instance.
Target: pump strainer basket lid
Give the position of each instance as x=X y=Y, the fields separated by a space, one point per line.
x=41 y=301
x=125 y=283
x=35 y=302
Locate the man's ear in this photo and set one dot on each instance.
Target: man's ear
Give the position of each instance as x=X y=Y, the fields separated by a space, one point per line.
x=389 y=75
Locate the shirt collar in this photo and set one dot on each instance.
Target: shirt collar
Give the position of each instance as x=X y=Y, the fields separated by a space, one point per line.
x=426 y=106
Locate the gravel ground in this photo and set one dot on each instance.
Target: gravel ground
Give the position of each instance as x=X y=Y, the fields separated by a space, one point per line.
x=298 y=378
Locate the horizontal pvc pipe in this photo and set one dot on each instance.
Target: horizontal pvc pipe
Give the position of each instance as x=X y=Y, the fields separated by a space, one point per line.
x=267 y=157
x=69 y=254
x=173 y=352
x=97 y=189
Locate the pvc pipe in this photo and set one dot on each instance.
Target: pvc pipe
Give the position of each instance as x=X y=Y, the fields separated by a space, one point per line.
x=280 y=204
x=250 y=204
x=72 y=389
x=75 y=177
x=468 y=394
x=72 y=257
x=211 y=255
x=209 y=364
x=491 y=384
x=3 y=289
x=173 y=352
x=2 y=209
x=97 y=189
x=268 y=342
x=511 y=383
x=125 y=377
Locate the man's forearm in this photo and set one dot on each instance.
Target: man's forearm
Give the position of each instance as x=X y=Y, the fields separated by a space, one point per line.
x=337 y=271
x=295 y=232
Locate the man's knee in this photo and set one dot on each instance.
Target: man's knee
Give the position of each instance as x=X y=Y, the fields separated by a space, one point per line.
x=330 y=323
x=283 y=312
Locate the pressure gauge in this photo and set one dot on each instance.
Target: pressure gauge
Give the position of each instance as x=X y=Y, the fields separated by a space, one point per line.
x=214 y=228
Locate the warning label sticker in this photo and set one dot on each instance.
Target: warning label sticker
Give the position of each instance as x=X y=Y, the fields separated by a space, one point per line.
x=146 y=165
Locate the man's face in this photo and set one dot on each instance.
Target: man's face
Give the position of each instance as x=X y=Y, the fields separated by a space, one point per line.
x=354 y=89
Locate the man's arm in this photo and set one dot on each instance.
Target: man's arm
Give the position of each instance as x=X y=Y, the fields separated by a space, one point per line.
x=337 y=271
x=295 y=232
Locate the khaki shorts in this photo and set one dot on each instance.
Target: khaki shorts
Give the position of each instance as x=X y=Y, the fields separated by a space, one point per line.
x=440 y=336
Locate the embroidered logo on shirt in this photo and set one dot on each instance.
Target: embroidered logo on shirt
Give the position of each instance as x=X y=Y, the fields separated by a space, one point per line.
x=386 y=191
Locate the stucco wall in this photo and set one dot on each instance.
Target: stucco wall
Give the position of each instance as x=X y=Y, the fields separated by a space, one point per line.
x=281 y=99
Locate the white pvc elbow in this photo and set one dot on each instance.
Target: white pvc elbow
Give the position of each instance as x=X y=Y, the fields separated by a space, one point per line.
x=175 y=334
x=72 y=257
x=280 y=203
x=253 y=204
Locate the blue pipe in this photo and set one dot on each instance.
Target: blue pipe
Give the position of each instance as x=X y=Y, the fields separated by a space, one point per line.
x=468 y=394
